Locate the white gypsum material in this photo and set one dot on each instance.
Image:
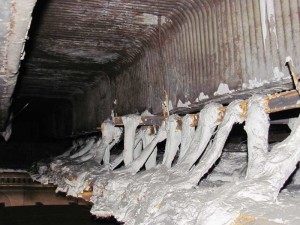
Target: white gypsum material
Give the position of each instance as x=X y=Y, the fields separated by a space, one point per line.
x=106 y=157
x=135 y=166
x=87 y=147
x=141 y=133
x=147 y=138
x=131 y=122
x=257 y=128
x=69 y=151
x=282 y=160
x=266 y=183
x=117 y=161
x=110 y=133
x=232 y=115
x=89 y=154
x=292 y=122
x=207 y=123
x=173 y=140
x=85 y=157
x=187 y=135
x=138 y=150
x=138 y=143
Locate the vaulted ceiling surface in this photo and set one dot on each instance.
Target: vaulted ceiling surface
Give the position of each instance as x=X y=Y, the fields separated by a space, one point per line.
x=73 y=43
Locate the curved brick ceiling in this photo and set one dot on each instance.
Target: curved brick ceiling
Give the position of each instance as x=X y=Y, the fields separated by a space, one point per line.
x=72 y=43
x=184 y=46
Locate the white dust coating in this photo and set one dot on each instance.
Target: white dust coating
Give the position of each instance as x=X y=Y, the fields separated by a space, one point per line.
x=187 y=135
x=147 y=198
x=88 y=173
x=292 y=122
x=267 y=11
x=222 y=89
x=147 y=139
x=232 y=167
x=131 y=122
x=150 y=19
x=85 y=149
x=201 y=97
x=159 y=196
x=123 y=194
x=173 y=140
x=138 y=143
x=137 y=150
x=257 y=128
x=207 y=123
x=254 y=83
x=54 y=172
x=110 y=136
x=76 y=170
x=278 y=75
x=289 y=59
x=183 y=105
x=108 y=199
x=130 y=199
x=263 y=186
x=232 y=115
x=135 y=166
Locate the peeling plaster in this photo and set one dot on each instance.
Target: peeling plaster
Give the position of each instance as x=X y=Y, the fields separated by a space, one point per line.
x=223 y=89
x=150 y=19
x=267 y=11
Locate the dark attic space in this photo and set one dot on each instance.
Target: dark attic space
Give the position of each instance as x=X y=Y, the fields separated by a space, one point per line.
x=149 y=112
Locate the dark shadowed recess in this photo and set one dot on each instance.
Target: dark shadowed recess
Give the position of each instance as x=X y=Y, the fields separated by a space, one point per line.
x=51 y=215
x=40 y=128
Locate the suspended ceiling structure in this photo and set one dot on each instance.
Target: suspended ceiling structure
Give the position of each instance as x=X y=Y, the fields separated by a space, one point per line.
x=122 y=55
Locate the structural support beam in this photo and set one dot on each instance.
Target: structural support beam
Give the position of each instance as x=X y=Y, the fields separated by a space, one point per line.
x=15 y=20
x=275 y=103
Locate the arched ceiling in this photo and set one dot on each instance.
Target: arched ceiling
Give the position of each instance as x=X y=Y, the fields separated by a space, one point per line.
x=72 y=43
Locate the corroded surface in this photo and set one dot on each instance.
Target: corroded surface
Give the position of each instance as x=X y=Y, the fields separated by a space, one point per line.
x=15 y=18
x=135 y=50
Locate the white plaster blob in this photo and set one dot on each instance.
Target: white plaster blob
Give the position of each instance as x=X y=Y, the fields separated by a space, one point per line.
x=201 y=97
x=278 y=75
x=131 y=122
x=119 y=197
x=187 y=135
x=152 y=196
x=254 y=83
x=110 y=136
x=289 y=59
x=173 y=140
x=222 y=89
x=292 y=122
x=265 y=181
x=232 y=167
x=150 y=19
x=146 y=113
x=184 y=105
x=147 y=139
x=207 y=123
